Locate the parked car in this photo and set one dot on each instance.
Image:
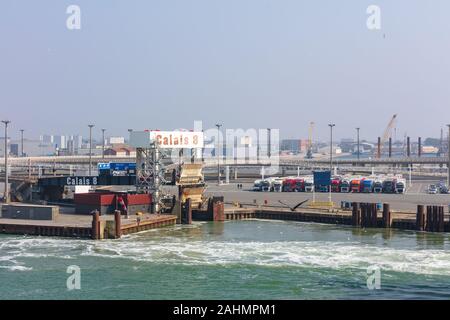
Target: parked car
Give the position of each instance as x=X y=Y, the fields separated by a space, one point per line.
x=432 y=189
x=443 y=189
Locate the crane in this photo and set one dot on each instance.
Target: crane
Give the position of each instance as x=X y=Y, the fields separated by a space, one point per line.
x=309 y=151
x=387 y=132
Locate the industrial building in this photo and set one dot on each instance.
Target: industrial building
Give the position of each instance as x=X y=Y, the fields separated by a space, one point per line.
x=294 y=145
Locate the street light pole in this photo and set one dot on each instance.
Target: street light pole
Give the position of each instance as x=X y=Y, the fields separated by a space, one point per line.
x=103 y=143
x=21 y=143
x=6 y=193
x=269 y=142
x=218 y=153
x=357 y=139
x=331 y=159
x=90 y=148
x=448 y=155
x=331 y=125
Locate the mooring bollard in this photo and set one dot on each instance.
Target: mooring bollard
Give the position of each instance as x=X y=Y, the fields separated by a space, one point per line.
x=95 y=225
x=117 y=224
x=218 y=211
x=420 y=218
x=387 y=218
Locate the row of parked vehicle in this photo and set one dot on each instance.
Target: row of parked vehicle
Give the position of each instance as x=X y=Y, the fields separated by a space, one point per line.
x=344 y=184
x=440 y=187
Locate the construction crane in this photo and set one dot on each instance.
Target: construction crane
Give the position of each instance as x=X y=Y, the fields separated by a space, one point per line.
x=309 y=151
x=387 y=132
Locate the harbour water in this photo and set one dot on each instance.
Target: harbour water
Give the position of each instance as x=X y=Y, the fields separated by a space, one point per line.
x=253 y=259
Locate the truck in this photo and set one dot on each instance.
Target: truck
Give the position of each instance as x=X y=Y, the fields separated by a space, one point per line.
x=288 y=185
x=276 y=184
x=355 y=185
x=367 y=186
x=257 y=185
x=265 y=185
x=336 y=184
x=309 y=184
x=345 y=186
x=400 y=186
x=293 y=185
x=389 y=185
x=377 y=186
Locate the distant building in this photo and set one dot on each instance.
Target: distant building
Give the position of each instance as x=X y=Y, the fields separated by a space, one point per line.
x=430 y=149
x=48 y=139
x=347 y=144
x=14 y=149
x=59 y=142
x=116 y=140
x=69 y=144
x=76 y=142
x=32 y=147
x=120 y=151
x=294 y=145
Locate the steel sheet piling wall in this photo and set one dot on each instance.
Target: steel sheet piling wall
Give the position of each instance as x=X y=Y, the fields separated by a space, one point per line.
x=420 y=218
x=356 y=214
x=387 y=217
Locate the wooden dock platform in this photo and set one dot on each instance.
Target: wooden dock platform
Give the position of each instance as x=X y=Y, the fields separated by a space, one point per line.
x=81 y=226
x=432 y=220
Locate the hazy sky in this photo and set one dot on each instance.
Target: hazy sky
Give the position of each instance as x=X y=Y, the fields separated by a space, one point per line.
x=246 y=63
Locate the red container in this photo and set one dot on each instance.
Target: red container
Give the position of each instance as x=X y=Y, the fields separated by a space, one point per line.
x=106 y=199
x=94 y=198
x=137 y=199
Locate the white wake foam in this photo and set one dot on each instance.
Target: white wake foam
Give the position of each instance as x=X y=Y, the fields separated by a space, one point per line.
x=179 y=250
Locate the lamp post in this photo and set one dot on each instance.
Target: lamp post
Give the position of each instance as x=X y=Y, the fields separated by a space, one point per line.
x=90 y=148
x=6 y=193
x=21 y=143
x=268 y=142
x=357 y=140
x=448 y=155
x=331 y=125
x=218 y=125
x=103 y=143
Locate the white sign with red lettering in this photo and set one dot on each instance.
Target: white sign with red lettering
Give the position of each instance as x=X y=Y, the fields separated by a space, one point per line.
x=177 y=139
x=167 y=139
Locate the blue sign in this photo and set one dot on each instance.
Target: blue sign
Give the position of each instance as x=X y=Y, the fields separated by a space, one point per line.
x=322 y=178
x=103 y=166
x=117 y=166
x=122 y=166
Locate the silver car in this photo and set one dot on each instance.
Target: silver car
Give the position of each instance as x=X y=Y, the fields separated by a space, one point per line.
x=432 y=189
